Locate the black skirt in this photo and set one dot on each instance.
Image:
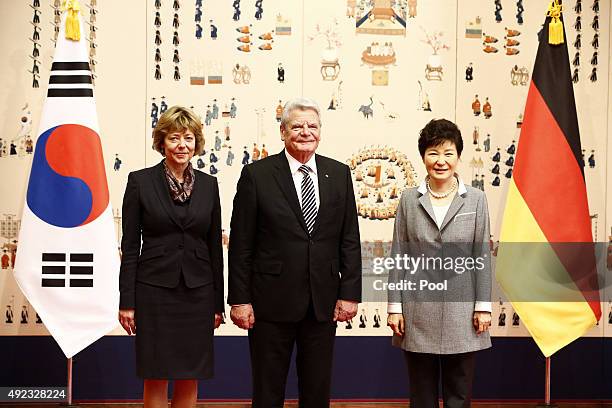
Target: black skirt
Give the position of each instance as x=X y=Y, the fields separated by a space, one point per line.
x=174 y=331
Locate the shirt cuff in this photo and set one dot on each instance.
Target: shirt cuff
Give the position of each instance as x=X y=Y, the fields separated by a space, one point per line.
x=482 y=307
x=394 y=308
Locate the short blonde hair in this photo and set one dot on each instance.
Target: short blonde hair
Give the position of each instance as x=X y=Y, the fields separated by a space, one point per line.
x=178 y=119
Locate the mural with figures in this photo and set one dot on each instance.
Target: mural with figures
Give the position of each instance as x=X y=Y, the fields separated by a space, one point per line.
x=380 y=70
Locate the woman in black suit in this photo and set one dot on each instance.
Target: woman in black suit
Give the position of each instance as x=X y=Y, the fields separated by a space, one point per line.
x=172 y=284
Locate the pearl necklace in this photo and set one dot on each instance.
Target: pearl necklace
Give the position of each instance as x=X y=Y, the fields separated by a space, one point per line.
x=441 y=195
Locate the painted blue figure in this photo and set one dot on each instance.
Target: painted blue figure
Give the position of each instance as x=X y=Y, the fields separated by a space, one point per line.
x=213 y=30
x=280 y=73
x=511 y=149
x=200 y=163
x=496 y=181
x=509 y=173
x=154 y=112
x=163 y=105
x=29 y=145
x=498 y=9
x=154 y=108
x=208 y=116
x=487 y=143
x=9 y=314
x=497 y=156
x=213 y=157
x=236 y=16
x=519 y=11
x=198 y=3
x=495 y=169
x=469 y=72
x=230 y=157
x=591 y=159
x=245 y=157
x=198 y=32
x=13 y=149
x=259 y=11
x=117 y=165
x=475 y=182
x=215 y=110
x=510 y=161
x=217 y=141
x=213 y=169
x=198 y=15
x=233 y=109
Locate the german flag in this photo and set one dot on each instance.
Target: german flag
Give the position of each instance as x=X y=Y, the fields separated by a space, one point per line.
x=546 y=259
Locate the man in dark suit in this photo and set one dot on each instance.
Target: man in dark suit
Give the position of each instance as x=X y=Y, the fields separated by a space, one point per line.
x=294 y=260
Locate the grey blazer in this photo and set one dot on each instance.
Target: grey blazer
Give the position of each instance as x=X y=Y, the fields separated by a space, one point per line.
x=440 y=322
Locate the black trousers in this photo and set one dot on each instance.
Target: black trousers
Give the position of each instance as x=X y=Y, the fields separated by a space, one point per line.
x=456 y=372
x=271 y=345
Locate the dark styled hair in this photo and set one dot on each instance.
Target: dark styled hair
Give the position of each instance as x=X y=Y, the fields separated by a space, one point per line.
x=438 y=131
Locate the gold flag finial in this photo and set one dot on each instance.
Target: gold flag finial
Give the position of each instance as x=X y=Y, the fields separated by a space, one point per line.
x=555 y=27
x=73 y=30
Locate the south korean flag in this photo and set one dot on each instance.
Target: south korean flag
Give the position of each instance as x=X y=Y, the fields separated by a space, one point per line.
x=68 y=261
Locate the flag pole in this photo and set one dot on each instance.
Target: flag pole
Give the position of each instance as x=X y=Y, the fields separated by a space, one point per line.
x=547 y=403
x=69 y=403
x=547 y=383
x=69 y=380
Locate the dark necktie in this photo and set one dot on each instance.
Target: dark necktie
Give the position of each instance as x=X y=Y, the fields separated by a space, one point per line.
x=309 y=202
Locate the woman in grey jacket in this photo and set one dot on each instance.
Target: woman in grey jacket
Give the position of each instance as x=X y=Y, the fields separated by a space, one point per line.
x=439 y=295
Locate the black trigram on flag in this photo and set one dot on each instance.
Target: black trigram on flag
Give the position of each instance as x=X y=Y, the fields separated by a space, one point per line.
x=70 y=79
x=79 y=268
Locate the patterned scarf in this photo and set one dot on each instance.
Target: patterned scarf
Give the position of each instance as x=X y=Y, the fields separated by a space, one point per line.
x=180 y=192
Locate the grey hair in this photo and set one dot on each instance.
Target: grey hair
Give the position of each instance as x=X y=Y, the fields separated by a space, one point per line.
x=300 y=103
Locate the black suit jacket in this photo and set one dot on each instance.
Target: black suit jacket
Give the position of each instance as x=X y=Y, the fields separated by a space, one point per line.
x=273 y=263
x=170 y=246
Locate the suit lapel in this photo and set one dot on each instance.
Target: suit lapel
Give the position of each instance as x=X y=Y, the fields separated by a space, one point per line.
x=324 y=192
x=426 y=204
x=163 y=192
x=285 y=181
x=454 y=208
x=197 y=194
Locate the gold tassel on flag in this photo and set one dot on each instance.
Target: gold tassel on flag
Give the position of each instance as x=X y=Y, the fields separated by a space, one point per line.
x=73 y=30
x=555 y=27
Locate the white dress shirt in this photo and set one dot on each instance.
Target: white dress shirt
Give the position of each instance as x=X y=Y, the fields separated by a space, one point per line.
x=297 y=176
